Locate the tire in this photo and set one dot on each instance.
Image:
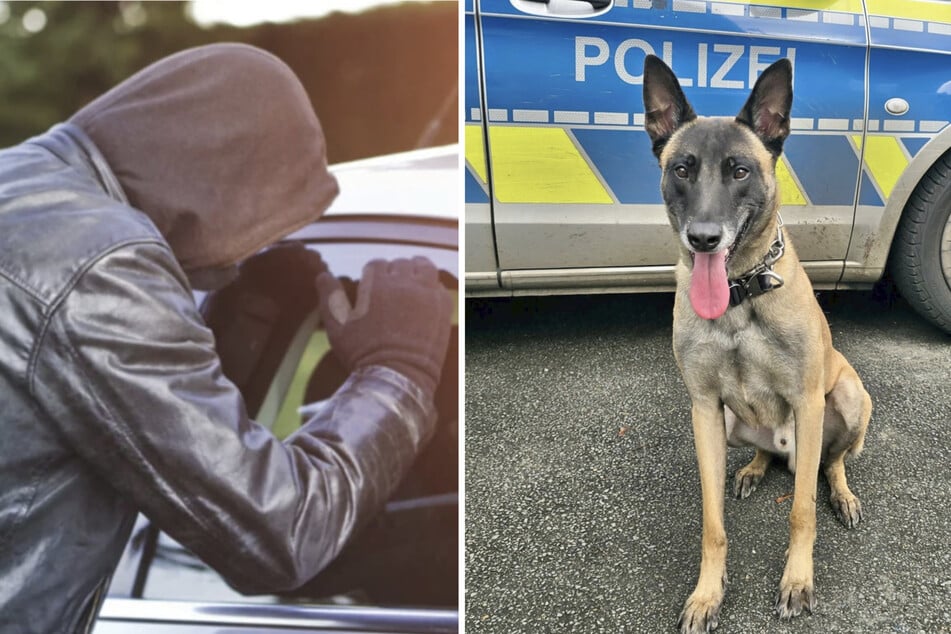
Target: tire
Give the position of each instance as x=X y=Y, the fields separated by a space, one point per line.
x=921 y=255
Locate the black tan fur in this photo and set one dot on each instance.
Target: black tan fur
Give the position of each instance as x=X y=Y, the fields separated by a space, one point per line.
x=763 y=372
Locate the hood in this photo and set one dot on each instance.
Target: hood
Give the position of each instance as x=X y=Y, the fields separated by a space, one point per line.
x=219 y=145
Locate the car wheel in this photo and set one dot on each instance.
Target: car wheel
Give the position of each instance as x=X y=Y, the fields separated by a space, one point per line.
x=921 y=257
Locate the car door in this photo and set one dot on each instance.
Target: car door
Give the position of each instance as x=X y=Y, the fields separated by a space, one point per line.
x=572 y=182
x=909 y=109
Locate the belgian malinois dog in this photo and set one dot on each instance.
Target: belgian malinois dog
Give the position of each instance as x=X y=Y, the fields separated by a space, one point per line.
x=749 y=337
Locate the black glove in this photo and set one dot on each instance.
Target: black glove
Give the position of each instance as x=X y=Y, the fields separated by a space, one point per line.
x=401 y=319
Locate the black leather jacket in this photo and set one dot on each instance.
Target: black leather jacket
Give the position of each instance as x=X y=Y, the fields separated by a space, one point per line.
x=112 y=402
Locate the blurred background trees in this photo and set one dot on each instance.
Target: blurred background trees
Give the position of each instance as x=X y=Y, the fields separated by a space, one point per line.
x=381 y=81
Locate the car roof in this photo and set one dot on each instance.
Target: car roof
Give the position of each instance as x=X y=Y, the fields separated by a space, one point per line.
x=417 y=183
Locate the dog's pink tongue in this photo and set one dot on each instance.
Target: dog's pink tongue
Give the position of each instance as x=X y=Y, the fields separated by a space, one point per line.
x=709 y=292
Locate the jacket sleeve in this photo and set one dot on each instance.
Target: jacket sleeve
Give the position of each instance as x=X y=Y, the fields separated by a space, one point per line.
x=127 y=372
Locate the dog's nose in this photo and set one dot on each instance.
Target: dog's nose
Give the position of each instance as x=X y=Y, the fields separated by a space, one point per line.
x=704 y=236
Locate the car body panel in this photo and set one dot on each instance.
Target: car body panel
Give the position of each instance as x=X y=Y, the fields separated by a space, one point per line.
x=480 y=239
x=899 y=149
x=573 y=188
x=431 y=174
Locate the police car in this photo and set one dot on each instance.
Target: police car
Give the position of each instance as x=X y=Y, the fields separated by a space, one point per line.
x=562 y=190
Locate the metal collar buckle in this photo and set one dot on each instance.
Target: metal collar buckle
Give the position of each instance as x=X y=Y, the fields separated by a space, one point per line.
x=761 y=278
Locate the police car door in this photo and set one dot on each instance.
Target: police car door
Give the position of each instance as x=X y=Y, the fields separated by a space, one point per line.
x=570 y=176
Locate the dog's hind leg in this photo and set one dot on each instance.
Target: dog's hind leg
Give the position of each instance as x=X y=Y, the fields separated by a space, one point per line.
x=847 y=506
x=848 y=409
x=746 y=479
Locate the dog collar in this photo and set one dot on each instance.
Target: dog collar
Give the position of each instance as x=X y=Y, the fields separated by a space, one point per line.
x=761 y=278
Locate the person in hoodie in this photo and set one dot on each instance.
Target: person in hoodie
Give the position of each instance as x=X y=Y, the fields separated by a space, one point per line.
x=112 y=400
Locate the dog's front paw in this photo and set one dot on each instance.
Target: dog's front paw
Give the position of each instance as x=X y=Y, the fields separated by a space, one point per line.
x=793 y=597
x=848 y=509
x=701 y=614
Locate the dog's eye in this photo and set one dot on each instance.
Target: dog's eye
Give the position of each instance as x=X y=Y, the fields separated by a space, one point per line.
x=681 y=171
x=740 y=173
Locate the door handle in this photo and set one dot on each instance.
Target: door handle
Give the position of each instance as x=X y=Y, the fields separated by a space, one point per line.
x=562 y=7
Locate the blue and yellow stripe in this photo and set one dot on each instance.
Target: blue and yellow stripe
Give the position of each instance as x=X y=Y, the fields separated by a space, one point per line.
x=590 y=165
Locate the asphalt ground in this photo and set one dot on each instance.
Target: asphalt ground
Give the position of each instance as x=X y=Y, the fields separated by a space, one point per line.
x=582 y=505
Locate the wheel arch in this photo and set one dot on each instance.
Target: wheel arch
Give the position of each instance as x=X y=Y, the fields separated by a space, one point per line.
x=916 y=170
x=873 y=241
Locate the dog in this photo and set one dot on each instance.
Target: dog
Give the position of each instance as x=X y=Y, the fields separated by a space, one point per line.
x=749 y=337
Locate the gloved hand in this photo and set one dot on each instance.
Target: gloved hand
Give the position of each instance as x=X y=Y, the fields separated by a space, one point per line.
x=401 y=319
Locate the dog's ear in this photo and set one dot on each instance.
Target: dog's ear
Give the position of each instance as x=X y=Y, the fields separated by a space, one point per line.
x=767 y=110
x=665 y=107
